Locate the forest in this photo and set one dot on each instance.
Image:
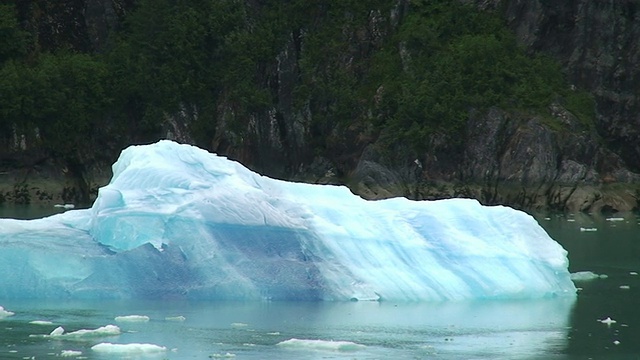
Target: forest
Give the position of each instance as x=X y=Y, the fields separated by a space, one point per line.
x=397 y=71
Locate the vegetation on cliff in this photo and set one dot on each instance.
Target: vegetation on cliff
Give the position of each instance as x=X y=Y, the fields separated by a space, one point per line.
x=401 y=71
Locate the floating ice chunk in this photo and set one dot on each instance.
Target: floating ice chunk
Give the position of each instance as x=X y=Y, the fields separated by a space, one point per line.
x=227 y=355
x=5 y=313
x=633 y=273
x=625 y=287
x=124 y=349
x=70 y=353
x=175 y=318
x=239 y=324
x=588 y=229
x=615 y=219
x=41 y=322
x=64 y=206
x=178 y=222
x=586 y=276
x=132 y=318
x=616 y=342
x=608 y=321
x=321 y=345
x=57 y=331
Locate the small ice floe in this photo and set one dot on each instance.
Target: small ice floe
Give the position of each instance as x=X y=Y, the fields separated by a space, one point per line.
x=625 y=287
x=571 y=220
x=633 y=273
x=239 y=324
x=175 y=318
x=127 y=349
x=219 y=356
x=4 y=313
x=588 y=229
x=305 y=344
x=70 y=353
x=59 y=332
x=41 y=322
x=132 y=318
x=547 y=218
x=586 y=276
x=608 y=321
x=65 y=206
x=616 y=342
x=275 y=333
x=615 y=219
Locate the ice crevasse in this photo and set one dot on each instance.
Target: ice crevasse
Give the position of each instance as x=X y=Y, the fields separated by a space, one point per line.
x=178 y=222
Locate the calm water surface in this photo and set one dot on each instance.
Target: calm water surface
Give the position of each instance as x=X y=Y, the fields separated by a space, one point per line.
x=543 y=329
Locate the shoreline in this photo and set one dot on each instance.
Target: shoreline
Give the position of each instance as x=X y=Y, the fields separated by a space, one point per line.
x=24 y=187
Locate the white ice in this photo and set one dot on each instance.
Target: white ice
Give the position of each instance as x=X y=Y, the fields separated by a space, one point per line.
x=59 y=333
x=586 y=276
x=5 y=313
x=314 y=344
x=127 y=349
x=41 y=322
x=178 y=222
x=132 y=318
x=70 y=353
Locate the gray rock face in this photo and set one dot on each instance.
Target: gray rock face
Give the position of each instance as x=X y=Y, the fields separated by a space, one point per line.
x=597 y=42
x=515 y=159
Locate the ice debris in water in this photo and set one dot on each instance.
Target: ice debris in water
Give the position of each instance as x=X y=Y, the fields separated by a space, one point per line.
x=586 y=276
x=226 y=355
x=588 y=229
x=321 y=345
x=178 y=222
x=70 y=353
x=5 y=313
x=128 y=349
x=175 y=318
x=65 y=206
x=608 y=321
x=132 y=318
x=59 y=332
x=625 y=287
x=41 y=322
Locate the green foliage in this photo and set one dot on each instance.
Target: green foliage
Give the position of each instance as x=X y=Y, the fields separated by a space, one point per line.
x=353 y=68
x=456 y=58
x=61 y=95
x=13 y=40
x=581 y=104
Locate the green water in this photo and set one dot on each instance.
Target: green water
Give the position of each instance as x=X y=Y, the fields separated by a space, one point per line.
x=613 y=249
x=541 y=329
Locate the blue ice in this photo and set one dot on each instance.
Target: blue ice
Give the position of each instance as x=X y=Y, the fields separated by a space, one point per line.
x=178 y=222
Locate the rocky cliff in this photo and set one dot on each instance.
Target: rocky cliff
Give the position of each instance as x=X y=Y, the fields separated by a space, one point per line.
x=527 y=159
x=519 y=159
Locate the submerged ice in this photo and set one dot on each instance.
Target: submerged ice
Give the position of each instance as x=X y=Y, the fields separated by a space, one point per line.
x=178 y=222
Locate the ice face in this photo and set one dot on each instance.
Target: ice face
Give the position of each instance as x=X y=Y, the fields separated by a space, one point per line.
x=177 y=221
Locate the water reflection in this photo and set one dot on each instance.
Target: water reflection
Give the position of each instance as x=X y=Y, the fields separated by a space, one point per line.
x=480 y=329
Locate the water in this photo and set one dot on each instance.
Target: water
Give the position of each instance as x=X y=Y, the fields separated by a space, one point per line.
x=542 y=329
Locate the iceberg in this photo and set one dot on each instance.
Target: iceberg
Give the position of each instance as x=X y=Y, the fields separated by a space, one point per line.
x=176 y=221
